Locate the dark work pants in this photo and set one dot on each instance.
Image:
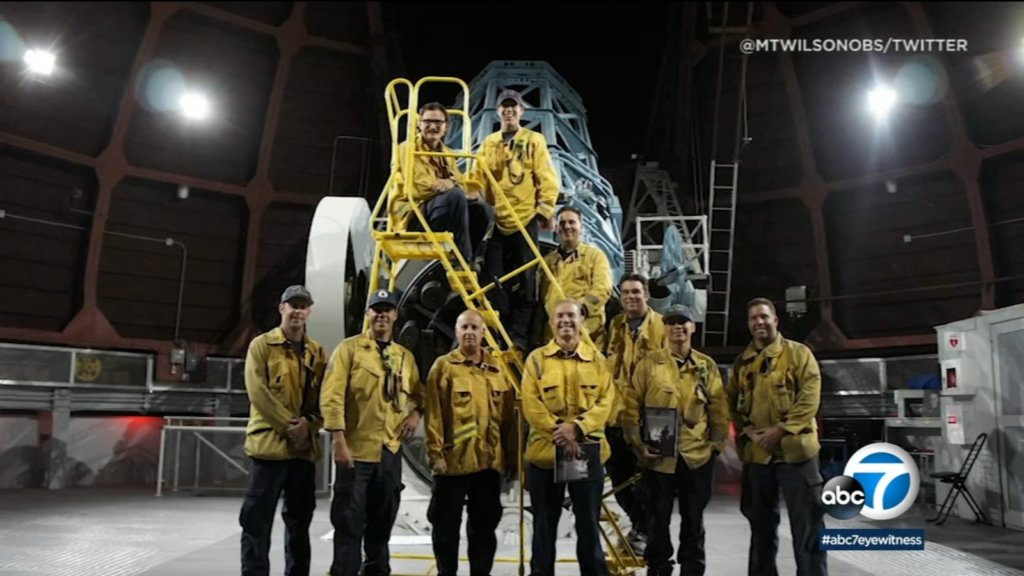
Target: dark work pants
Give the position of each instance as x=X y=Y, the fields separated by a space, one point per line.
x=363 y=512
x=504 y=254
x=481 y=493
x=448 y=212
x=546 y=501
x=692 y=488
x=267 y=480
x=801 y=487
x=621 y=467
x=481 y=226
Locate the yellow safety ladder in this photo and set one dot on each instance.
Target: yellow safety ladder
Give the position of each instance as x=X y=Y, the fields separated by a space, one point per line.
x=393 y=246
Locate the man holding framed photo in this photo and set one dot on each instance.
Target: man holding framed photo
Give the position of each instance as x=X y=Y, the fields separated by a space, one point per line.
x=682 y=387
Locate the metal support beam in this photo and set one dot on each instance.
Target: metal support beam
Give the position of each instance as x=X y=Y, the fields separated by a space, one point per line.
x=965 y=159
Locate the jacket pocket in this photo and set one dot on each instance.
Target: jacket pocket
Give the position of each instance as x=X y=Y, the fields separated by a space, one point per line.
x=552 y=398
x=588 y=396
x=782 y=399
x=462 y=399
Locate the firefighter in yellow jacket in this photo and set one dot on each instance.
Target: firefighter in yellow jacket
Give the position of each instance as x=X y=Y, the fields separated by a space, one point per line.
x=283 y=372
x=468 y=407
x=692 y=426
x=519 y=160
x=372 y=400
x=567 y=395
x=438 y=187
x=635 y=333
x=774 y=395
x=583 y=273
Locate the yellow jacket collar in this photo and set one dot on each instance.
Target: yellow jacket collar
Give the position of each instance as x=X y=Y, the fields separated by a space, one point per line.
x=457 y=357
x=771 y=351
x=366 y=340
x=584 y=351
x=276 y=337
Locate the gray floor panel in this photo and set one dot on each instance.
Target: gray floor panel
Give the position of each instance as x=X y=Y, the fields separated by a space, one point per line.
x=128 y=533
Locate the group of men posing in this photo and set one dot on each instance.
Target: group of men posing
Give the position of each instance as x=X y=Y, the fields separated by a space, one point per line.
x=590 y=383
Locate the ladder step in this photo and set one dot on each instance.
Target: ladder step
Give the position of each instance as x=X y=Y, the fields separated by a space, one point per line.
x=721 y=229
x=721 y=251
x=726 y=208
x=716 y=313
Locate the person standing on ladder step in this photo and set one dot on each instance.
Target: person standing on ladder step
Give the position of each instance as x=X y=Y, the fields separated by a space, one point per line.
x=685 y=380
x=583 y=273
x=468 y=411
x=437 y=188
x=519 y=160
x=567 y=395
x=283 y=372
x=774 y=395
x=635 y=333
x=372 y=400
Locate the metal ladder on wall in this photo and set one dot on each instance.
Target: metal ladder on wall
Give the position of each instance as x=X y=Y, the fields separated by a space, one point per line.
x=722 y=233
x=394 y=246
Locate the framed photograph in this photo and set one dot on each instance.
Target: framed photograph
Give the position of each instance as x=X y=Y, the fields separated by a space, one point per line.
x=660 y=428
x=586 y=467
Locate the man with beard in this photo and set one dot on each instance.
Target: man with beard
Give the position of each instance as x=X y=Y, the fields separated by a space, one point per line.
x=371 y=401
x=774 y=395
x=283 y=372
x=437 y=187
x=567 y=394
x=468 y=408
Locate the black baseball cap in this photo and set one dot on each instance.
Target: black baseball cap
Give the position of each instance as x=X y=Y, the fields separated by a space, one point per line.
x=296 y=292
x=382 y=297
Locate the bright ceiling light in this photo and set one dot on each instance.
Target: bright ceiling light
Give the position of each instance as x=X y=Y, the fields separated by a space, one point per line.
x=194 y=106
x=40 y=62
x=881 y=101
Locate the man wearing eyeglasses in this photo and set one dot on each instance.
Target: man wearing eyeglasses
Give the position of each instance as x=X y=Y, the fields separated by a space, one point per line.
x=519 y=160
x=372 y=400
x=437 y=186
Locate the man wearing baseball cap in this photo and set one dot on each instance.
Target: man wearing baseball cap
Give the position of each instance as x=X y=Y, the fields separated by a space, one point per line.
x=686 y=382
x=283 y=372
x=372 y=401
x=520 y=163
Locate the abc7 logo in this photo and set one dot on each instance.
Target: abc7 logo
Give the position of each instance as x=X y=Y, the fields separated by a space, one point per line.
x=842 y=497
x=891 y=479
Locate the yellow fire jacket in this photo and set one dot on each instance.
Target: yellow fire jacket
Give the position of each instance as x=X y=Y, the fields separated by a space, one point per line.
x=523 y=169
x=426 y=171
x=694 y=390
x=468 y=409
x=624 y=353
x=368 y=396
x=560 y=388
x=586 y=277
x=282 y=386
x=780 y=385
